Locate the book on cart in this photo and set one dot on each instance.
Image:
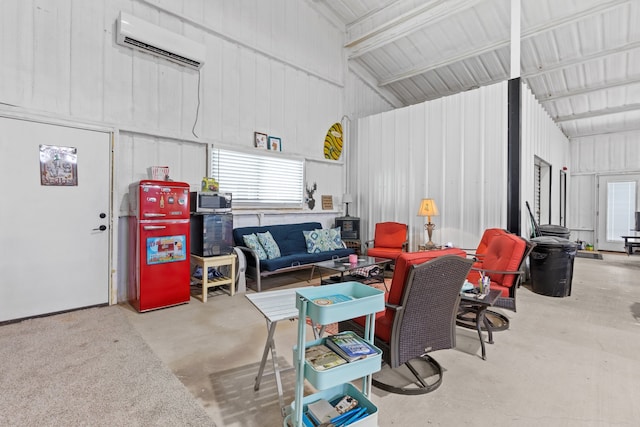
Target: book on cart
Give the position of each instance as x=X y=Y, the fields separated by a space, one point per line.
x=350 y=346
x=320 y=357
x=331 y=299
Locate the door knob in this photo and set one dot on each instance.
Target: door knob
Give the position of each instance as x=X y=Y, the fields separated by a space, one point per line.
x=101 y=228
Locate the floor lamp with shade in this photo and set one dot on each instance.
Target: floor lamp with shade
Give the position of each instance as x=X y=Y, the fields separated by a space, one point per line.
x=428 y=208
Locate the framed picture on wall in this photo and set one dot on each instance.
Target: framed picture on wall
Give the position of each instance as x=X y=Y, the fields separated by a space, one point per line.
x=275 y=143
x=260 y=140
x=327 y=202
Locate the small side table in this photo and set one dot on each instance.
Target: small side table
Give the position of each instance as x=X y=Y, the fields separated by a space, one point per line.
x=215 y=261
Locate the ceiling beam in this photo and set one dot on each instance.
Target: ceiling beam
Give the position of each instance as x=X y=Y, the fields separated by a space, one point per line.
x=590 y=89
x=629 y=129
x=581 y=59
x=597 y=113
x=503 y=43
x=371 y=14
x=406 y=24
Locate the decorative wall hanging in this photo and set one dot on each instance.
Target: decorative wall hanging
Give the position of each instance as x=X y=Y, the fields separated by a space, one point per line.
x=58 y=165
x=260 y=140
x=333 y=142
x=327 y=203
x=274 y=143
x=310 y=200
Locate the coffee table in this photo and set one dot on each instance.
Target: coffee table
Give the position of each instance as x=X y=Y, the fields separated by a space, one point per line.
x=345 y=268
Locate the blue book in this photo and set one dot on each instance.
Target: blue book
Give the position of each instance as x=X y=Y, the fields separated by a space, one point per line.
x=350 y=346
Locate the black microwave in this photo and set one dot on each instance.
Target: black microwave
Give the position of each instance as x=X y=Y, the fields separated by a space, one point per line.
x=209 y=201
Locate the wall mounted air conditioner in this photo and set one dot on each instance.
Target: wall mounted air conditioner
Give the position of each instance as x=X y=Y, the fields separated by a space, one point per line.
x=141 y=35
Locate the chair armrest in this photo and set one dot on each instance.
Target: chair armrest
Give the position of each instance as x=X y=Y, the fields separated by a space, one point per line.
x=484 y=270
x=394 y=307
x=473 y=254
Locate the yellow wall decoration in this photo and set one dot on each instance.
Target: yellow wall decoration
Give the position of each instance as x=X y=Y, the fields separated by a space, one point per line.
x=333 y=142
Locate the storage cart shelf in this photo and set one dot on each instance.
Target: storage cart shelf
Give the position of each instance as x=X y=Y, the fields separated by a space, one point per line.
x=325 y=305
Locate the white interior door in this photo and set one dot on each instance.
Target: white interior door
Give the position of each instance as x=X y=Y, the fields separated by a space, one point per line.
x=617 y=203
x=55 y=257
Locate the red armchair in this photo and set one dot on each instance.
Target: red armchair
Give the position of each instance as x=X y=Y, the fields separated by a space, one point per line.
x=503 y=262
x=390 y=240
x=486 y=238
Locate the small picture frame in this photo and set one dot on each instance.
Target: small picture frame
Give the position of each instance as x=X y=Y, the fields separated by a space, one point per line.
x=274 y=143
x=260 y=140
x=327 y=203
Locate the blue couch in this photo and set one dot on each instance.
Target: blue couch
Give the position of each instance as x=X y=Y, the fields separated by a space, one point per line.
x=293 y=249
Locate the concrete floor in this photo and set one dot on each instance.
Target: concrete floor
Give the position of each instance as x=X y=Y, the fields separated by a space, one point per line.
x=571 y=361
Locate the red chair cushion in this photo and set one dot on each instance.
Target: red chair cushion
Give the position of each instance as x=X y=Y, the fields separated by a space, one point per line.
x=379 y=252
x=486 y=238
x=390 y=235
x=504 y=253
x=384 y=319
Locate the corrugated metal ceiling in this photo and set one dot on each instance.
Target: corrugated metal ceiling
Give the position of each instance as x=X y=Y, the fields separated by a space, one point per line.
x=581 y=58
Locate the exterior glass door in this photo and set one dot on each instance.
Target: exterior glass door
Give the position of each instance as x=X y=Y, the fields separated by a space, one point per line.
x=618 y=196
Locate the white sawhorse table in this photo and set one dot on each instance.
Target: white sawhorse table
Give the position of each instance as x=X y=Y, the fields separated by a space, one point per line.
x=274 y=306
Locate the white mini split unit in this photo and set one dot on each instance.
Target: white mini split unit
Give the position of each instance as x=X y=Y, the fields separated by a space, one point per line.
x=141 y=35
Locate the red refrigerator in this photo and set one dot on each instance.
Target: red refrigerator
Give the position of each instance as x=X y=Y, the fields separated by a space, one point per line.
x=159 y=239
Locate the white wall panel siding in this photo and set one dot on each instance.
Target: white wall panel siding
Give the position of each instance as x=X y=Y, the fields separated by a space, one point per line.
x=612 y=153
x=136 y=153
x=434 y=149
x=541 y=137
x=583 y=203
x=277 y=67
x=609 y=154
x=258 y=55
x=361 y=100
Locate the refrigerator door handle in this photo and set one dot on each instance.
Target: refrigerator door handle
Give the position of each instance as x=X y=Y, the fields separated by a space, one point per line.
x=154 y=227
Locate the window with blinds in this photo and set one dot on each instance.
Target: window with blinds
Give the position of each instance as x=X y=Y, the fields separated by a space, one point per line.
x=259 y=181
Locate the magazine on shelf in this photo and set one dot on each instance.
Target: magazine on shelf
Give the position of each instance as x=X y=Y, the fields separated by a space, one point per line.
x=331 y=299
x=320 y=357
x=350 y=346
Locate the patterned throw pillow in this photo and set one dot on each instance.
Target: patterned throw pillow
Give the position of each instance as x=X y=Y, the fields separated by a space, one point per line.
x=335 y=238
x=318 y=241
x=269 y=244
x=251 y=240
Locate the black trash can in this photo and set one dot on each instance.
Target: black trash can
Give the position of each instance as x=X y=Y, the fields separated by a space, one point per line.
x=551 y=265
x=554 y=230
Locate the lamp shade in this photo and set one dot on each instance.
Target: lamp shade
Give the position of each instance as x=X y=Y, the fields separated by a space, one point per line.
x=347 y=198
x=428 y=208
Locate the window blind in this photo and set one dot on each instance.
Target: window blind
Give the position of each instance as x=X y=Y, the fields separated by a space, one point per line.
x=260 y=181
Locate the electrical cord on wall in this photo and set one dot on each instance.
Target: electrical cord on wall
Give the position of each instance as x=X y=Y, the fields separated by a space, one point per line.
x=193 y=129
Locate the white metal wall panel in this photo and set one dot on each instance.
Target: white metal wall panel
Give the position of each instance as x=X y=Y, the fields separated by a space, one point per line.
x=431 y=150
x=361 y=100
x=541 y=137
x=64 y=60
x=135 y=154
x=613 y=153
x=583 y=203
